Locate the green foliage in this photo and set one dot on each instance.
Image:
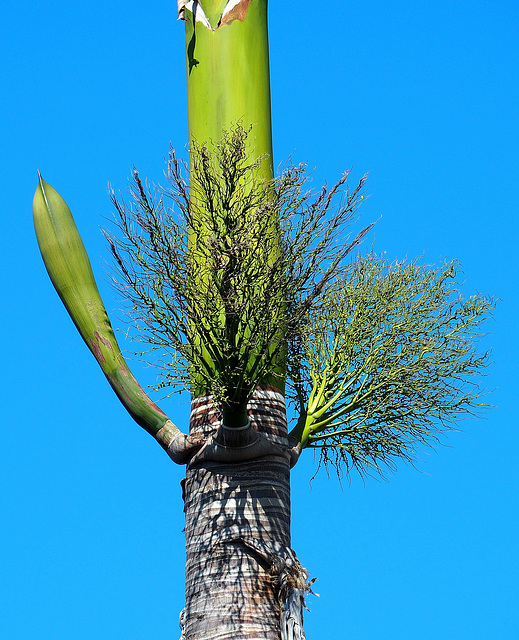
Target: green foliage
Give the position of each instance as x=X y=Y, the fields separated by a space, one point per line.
x=387 y=362
x=235 y=281
x=220 y=274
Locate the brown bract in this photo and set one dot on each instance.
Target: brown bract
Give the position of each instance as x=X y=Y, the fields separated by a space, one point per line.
x=238 y=12
x=234 y=10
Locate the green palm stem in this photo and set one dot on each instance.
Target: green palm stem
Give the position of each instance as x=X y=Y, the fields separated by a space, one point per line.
x=228 y=79
x=71 y=274
x=228 y=85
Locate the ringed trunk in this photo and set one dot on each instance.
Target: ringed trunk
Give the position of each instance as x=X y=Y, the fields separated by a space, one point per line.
x=237 y=530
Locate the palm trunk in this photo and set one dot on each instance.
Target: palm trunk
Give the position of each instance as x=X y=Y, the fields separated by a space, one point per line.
x=237 y=530
x=242 y=579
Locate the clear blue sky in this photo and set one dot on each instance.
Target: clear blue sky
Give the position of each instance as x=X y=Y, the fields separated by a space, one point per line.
x=425 y=96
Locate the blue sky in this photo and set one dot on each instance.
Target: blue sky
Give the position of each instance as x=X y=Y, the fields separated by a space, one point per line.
x=425 y=97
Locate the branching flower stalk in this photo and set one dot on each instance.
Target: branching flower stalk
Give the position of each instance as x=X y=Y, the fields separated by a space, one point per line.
x=380 y=357
x=387 y=363
x=226 y=328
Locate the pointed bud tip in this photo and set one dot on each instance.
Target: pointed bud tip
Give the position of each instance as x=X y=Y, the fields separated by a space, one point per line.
x=41 y=183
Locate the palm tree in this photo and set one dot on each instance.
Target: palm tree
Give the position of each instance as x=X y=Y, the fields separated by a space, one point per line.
x=239 y=279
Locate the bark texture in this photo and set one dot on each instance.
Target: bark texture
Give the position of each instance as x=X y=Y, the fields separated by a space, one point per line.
x=238 y=552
